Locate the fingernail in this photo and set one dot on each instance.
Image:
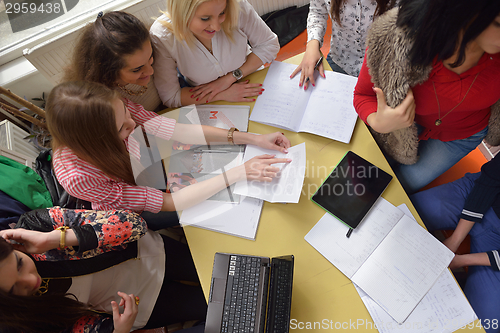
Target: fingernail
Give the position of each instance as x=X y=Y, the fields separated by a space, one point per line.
x=289 y=159
x=262 y=89
x=260 y=93
x=206 y=102
x=300 y=84
x=253 y=100
x=313 y=84
x=197 y=99
x=192 y=96
x=282 y=133
x=190 y=90
x=285 y=151
x=260 y=85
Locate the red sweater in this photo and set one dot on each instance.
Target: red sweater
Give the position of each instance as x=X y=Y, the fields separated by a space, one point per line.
x=467 y=119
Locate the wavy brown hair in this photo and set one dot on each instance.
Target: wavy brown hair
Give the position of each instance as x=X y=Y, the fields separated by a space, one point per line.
x=80 y=116
x=98 y=54
x=46 y=313
x=382 y=7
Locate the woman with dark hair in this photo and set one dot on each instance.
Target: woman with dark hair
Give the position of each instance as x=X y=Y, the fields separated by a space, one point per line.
x=429 y=85
x=72 y=270
x=93 y=152
x=350 y=22
x=110 y=51
x=213 y=44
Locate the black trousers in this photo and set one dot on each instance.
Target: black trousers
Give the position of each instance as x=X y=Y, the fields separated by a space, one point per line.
x=178 y=302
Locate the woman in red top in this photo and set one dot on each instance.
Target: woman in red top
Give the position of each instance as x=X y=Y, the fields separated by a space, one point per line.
x=428 y=84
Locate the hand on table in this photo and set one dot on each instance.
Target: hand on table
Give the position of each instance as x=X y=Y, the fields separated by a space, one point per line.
x=307 y=67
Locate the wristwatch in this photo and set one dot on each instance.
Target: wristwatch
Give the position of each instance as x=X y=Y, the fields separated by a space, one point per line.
x=237 y=74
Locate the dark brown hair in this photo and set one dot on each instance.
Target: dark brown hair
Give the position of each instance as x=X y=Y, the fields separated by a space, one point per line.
x=98 y=54
x=382 y=7
x=46 y=313
x=80 y=116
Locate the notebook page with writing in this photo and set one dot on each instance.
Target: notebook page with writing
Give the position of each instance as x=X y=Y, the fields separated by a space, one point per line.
x=330 y=111
x=328 y=236
x=283 y=102
x=403 y=268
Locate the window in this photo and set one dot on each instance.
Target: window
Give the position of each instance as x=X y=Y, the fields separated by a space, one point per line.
x=25 y=23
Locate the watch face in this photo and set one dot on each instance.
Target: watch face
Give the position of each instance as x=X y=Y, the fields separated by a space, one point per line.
x=237 y=73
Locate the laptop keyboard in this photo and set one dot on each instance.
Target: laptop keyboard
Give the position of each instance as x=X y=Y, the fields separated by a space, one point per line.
x=280 y=296
x=240 y=306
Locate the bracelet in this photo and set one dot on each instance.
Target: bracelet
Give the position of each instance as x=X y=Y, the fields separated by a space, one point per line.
x=230 y=135
x=62 y=240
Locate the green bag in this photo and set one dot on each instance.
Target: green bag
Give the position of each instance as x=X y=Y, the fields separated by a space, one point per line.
x=23 y=184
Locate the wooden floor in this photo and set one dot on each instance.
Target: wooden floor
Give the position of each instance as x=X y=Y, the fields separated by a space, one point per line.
x=470 y=163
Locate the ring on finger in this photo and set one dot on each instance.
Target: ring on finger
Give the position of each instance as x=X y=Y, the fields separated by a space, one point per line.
x=137 y=300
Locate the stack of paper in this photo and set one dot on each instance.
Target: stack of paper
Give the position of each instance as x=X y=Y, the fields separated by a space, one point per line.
x=389 y=256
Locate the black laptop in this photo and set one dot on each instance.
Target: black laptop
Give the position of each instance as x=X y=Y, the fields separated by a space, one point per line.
x=250 y=294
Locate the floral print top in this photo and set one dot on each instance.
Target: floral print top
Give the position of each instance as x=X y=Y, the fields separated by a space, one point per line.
x=347 y=46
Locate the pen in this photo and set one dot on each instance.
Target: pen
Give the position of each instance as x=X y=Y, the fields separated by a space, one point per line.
x=211 y=151
x=320 y=60
x=349 y=233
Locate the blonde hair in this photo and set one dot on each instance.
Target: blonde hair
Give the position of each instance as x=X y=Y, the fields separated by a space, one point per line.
x=181 y=13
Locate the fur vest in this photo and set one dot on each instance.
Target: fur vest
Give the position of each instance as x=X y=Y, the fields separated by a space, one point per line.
x=390 y=70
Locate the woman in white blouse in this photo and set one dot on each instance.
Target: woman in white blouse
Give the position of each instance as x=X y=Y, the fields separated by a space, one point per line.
x=207 y=42
x=350 y=22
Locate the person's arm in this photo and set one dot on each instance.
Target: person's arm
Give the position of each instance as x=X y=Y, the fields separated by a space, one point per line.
x=317 y=20
x=371 y=106
x=461 y=231
x=196 y=134
x=37 y=232
x=470 y=259
x=258 y=168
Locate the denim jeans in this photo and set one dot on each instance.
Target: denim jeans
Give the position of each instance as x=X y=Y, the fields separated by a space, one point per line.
x=440 y=208
x=435 y=157
x=334 y=66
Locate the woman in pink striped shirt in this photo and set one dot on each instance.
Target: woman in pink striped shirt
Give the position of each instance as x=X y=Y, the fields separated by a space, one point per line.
x=91 y=125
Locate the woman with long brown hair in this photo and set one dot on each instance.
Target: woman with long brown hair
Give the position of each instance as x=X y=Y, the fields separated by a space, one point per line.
x=105 y=52
x=91 y=127
x=84 y=271
x=350 y=22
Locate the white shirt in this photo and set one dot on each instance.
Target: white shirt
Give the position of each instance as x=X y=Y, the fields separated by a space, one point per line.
x=347 y=46
x=142 y=277
x=197 y=64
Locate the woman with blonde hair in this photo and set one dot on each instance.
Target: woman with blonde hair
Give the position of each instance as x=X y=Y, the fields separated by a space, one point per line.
x=206 y=41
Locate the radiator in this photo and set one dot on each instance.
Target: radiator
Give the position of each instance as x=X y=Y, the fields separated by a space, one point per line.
x=12 y=143
x=265 y=6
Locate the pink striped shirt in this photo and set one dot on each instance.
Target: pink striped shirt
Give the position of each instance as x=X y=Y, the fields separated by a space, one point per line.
x=83 y=180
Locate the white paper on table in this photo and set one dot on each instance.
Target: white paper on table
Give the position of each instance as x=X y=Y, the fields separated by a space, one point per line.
x=287 y=186
x=241 y=220
x=392 y=258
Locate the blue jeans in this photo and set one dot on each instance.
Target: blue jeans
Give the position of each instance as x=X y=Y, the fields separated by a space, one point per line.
x=435 y=157
x=334 y=66
x=440 y=209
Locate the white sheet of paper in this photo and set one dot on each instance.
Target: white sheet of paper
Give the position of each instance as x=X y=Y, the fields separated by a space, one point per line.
x=328 y=236
x=287 y=186
x=409 y=261
x=443 y=309
x=241 y=220
x=324 y=110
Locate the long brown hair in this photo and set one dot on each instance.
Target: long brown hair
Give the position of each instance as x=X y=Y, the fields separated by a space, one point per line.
x=46 y=313
x=98 y=54
x=80 y=116
x=382 y=7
